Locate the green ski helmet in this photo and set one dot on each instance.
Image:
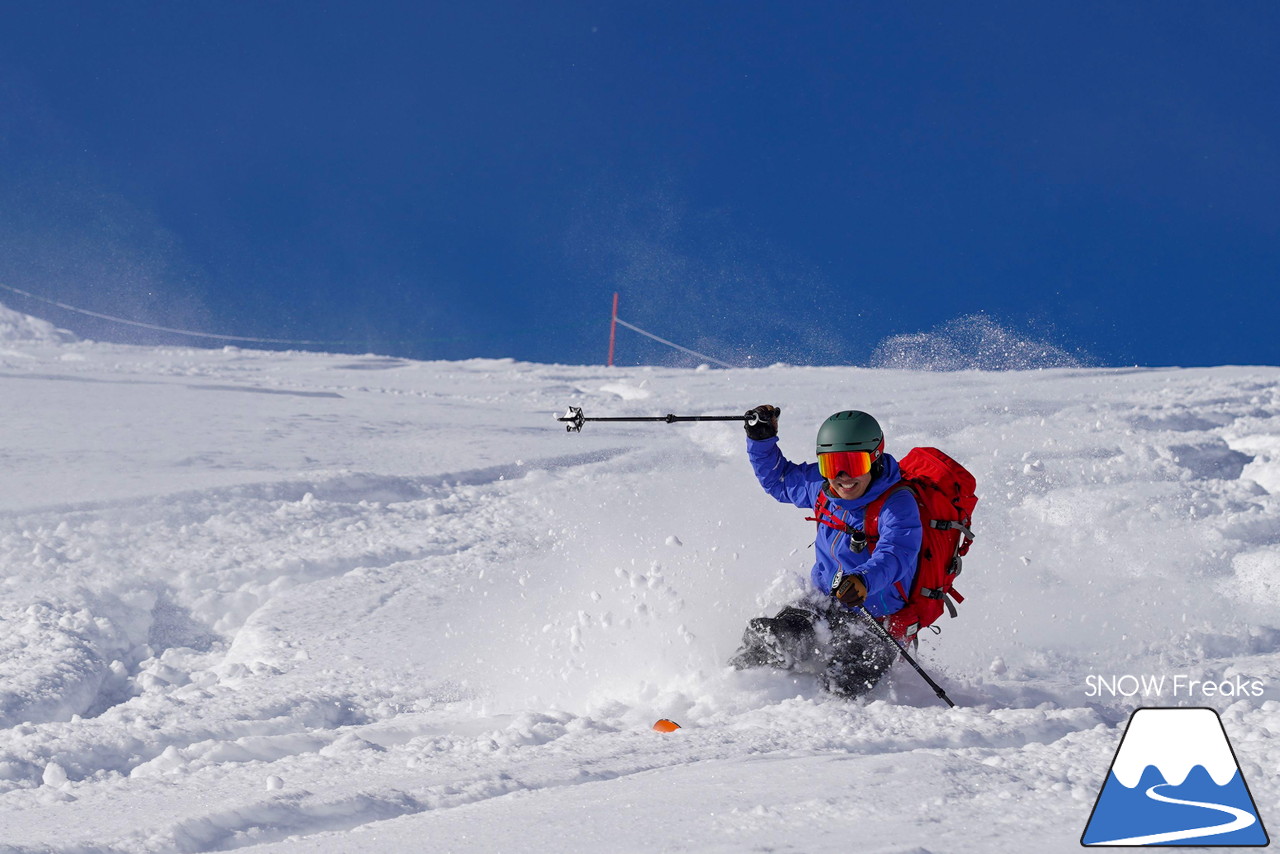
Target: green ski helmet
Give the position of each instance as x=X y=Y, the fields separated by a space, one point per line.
x=851 y=430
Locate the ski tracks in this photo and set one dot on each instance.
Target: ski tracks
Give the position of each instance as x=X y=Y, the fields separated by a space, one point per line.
x=160 y=642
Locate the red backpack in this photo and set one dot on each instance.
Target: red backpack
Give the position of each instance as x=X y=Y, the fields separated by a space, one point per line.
x=944 y=492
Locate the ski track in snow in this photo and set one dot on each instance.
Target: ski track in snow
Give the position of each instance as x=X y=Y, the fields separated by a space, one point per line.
x=304 y=602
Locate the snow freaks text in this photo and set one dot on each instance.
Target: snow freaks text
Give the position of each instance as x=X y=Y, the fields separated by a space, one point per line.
x=1180 y=685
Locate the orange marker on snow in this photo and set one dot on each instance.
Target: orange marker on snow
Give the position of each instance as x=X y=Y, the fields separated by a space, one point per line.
x=665 y=725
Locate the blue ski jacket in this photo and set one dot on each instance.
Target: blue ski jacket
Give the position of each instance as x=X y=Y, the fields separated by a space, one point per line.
x=894 y=559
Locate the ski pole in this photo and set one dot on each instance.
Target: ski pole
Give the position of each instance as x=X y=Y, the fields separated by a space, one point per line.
x=574 y=419
x=942 y=695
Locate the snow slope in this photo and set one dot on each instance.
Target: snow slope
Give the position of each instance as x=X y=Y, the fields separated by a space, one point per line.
x=297 y=602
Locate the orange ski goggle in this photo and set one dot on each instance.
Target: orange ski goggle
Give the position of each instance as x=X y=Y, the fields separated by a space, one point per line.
x=852 y=463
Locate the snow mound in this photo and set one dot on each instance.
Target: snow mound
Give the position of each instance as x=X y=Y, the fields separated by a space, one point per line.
x=16 y=326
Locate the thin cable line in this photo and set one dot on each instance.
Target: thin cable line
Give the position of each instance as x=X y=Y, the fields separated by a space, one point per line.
x=156 y=328
x=622 y=322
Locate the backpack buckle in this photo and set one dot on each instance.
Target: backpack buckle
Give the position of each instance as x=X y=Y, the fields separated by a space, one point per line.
x=952 y=525
x=943 y=594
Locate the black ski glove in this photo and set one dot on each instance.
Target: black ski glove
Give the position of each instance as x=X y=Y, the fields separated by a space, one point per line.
x=850 y=590
x=762 y=422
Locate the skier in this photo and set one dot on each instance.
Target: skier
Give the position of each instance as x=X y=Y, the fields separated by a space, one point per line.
x=822 y=634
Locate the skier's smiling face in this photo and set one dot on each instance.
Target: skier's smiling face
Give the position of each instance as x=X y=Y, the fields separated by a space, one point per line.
x=846 y=487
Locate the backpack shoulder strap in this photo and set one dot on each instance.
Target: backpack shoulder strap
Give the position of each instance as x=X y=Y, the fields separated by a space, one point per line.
x=821 y=504
x=823 y=516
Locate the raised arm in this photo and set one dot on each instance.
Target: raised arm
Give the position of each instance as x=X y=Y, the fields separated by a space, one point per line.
x=788 y=482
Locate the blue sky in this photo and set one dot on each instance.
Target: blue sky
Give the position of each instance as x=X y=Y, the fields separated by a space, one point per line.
x=763 y=181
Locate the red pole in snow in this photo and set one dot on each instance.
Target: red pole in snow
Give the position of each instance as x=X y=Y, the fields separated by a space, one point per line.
x=613 y=328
